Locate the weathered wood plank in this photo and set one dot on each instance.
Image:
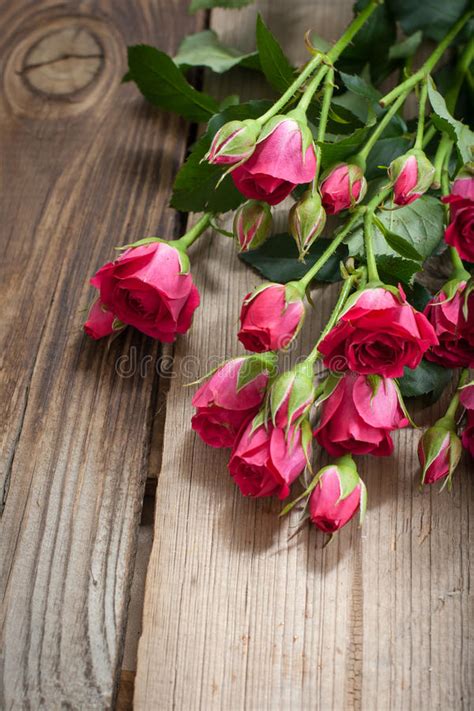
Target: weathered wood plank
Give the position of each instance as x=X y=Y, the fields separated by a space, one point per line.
x=86 y=165
x=237 y=617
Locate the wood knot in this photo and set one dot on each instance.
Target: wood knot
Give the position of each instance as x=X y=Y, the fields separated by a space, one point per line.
x=63 y=61
x=61 y=65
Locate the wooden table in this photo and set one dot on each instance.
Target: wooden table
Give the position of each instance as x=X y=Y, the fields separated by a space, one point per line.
x=235 y=616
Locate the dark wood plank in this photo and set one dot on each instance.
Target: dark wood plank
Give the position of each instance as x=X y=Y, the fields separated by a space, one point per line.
x=86 y=165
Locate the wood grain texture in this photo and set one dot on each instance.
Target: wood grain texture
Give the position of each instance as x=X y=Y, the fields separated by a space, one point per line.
x=86 y=165
x=238 y=617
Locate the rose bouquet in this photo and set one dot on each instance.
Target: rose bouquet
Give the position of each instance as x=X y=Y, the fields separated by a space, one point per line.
x=374 y=196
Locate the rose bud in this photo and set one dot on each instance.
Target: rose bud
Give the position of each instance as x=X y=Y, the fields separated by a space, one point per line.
x=231 y=397
x=306 y=220
x=460 y=231
x=463 y=185
x=466 y=396
x=439 y=451
x=411 y=176
x=271 y=317
x=445 y=313
x=265 y=461
x=292 y=395
x=284 y=157
x=359 y=415
x=252 y=224
x=148 y=288
x=338 y=495
x=234 y=142
x=378 y=332
x=342 y=186
x=100 y=321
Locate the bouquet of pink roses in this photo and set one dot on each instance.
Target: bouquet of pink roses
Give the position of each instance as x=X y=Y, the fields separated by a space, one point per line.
x=398 y=191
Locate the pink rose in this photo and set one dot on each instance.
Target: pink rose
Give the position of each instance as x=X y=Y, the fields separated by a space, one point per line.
x=265 y=462
x=379 y=333
x=439 y=451
x=463 y=186
x=460 y=231
x=277 y=164
x=447 y=318
x=146 y=288
x=100 y=321
x=467 y=400
x=270 y=317
x=342 y=187
x=336 y=498
x=411 y=175
x=222 y=408
x=359 y=415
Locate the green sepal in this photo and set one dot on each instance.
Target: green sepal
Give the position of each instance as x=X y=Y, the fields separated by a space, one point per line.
x=403 y=405
x=348 y=475
x=329 y=385
x=259 y=420
x=255 y=365
x=307 y=442
x=141 y=243
x=305 y=493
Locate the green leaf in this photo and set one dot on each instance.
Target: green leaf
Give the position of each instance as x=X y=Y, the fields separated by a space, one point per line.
x=385 y=150
x=163 y=84
x=433 y=18
x=345 y=148
x=427 y=378
x=360 y=86
x=457 y=130
x=402 y=247
x=421 y=224
x=277 y=260
x=418 y=296
x=204 y=49
x=196 y=186
x=393 y=270
x=209 y=4
x=255 y=365
x=399 y=244
x=275 y=65
x=406 y=48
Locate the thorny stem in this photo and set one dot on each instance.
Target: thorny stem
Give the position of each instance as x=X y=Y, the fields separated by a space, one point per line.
x=372 y=270
x=381 y=126
x=334 y=244
x=196 y=231
x=329 y=58
x=421 y=115
x=323 y=119
x=430 y=63
x=342 y=298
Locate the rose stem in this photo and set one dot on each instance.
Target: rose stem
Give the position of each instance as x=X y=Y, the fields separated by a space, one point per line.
x=311 y=273
x=381 y=126
x=342 y=298
x=323 y=120
x=431 y=62
x=330 y=57
x=196 y=231
x=372 y=270
x=421 y=115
